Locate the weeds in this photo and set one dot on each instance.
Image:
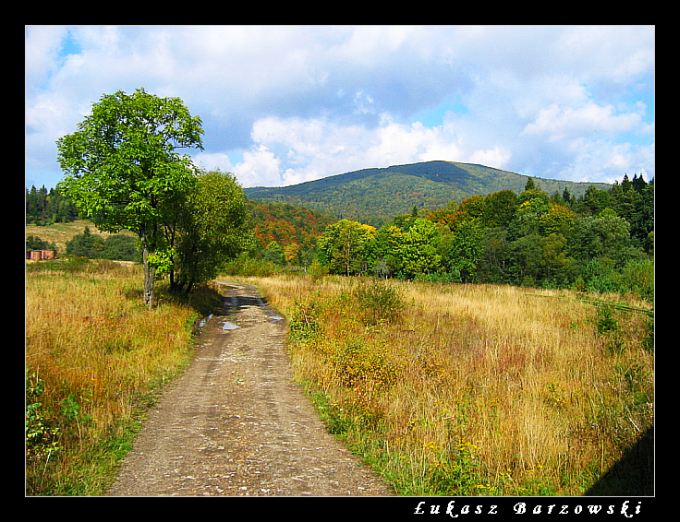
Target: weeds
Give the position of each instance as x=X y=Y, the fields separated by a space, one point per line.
x=470 y=389
x=379 y=302
x=98 y=353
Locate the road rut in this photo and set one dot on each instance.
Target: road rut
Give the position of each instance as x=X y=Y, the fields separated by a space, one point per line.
x=235 y=424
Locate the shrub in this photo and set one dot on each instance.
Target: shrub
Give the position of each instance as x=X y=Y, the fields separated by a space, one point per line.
x=440 y=277
x=638 y=277
x=37 y=243
x=379 y=302
x=358 y=362
x=42 y=437
x=245 y=265
x=304 y=324
x=605 y=321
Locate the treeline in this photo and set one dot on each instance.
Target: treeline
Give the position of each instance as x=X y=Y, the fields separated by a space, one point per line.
x=45 y=207
x=602 y=241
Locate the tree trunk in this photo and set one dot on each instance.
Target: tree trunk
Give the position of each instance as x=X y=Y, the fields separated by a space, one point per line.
x=149 y=272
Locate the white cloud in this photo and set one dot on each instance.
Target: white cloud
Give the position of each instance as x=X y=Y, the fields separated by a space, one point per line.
x=557 y=122
x=213 y=161
x=497 y=157
x=307 y=149
x=302 y=102
x=41 y=51
x=260 y=167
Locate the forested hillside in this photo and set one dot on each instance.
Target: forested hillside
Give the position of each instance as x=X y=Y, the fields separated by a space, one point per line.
x=376 y=195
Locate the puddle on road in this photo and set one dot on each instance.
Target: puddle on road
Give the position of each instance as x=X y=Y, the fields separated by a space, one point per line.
x=229 y=326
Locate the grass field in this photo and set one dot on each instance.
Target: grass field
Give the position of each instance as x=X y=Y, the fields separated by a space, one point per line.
x=95 y=359
x=444 y=389
x=473 y=389
x=60 y=233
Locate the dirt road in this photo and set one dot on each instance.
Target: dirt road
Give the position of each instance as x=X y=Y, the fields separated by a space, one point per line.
x=235 y=424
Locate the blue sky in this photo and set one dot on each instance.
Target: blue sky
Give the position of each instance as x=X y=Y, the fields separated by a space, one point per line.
x=286 y=104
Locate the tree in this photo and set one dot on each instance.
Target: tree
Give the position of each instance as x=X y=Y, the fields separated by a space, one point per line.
x=212 y=229
x=499 y=208
x=85 y=245
x=466 y=249
x=388 y=242
x=419 y=251
x=274 y=253
x=606 y=235
x=123 y=170
x=345 y=246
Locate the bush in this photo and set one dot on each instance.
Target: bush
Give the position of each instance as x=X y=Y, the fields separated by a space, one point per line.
x=42 y=436
x=358 y=362
x=245 y=265
x=638 y=277
x=304 y=324
x=379 y=302
x=440 y=277
x=121 y=247
x=36 y=243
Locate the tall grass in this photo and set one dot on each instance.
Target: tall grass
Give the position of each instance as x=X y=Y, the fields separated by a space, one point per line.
x=472 y=389
x=94 y=358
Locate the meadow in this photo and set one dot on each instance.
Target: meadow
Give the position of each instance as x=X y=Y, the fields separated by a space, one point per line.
x=95 y=360
x=61 y=233
x=453 y=389
x=473 y=389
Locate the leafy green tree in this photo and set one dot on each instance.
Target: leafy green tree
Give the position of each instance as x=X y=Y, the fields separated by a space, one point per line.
x=346 y=247
x=419 y=250
x=533 y=206
x=85 y=245
x=274 y=253
x=593 y=201
x=123 y=169
x=388 y=241
x=559 y=219
x=499 y=208
x=605 y=235
x=213 y=229
x=466 y=249
x=494 y=261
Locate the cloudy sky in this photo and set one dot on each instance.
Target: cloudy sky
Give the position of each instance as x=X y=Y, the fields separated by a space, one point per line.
x=286 y=104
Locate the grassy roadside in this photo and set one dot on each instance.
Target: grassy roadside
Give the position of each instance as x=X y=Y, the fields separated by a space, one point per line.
x=96 y=359
x=472 y=389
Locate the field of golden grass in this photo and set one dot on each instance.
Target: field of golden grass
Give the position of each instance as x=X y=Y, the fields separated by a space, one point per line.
x=60 y=233
x=473 y=389
x=94 y=357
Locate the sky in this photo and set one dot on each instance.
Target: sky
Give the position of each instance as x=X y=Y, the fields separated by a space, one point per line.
x=286 y=104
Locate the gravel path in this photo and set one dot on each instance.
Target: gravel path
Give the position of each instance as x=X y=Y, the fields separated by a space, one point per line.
x=235 y=424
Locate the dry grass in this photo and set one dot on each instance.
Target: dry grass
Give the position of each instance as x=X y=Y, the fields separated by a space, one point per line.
x=476 y=389
x=99 y=354
x=61 y=233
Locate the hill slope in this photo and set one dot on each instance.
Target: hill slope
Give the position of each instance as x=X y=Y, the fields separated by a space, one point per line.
x=378 y=194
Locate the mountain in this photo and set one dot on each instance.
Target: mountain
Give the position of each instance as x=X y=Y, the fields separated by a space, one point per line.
x=377 y=195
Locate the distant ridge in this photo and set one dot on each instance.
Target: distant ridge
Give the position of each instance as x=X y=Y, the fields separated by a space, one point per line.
x=376 y=195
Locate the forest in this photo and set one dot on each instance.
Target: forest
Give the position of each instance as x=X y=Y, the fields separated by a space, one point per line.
x=45 y=207
x=602 y=241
